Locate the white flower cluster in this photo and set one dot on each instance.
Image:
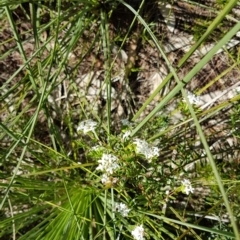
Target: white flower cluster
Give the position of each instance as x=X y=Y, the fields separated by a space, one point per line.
x=122 y=209
x=193 y=99
x=187 y=186
x=87 y=126
x=144 y=148
x=138 y=233
x=107 y=164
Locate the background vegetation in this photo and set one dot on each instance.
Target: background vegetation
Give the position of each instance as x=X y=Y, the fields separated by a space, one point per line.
x=64 y=62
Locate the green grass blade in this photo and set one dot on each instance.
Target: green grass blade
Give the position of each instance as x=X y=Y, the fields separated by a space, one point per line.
x=210 y=29
x=189 y=225
x=189 y=76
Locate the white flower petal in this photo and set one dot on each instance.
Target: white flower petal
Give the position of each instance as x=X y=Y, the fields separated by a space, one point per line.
x=126 y=135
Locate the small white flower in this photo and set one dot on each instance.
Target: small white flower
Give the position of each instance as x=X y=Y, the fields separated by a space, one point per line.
x=105 y=179
x=125 y=122
x=108 y=164
x=122 y=209
x=193 y=99
x=108 y=180
x=126 y=135
x=138 y=233
x=144 y=148
x=187 y=186
x=87 y=126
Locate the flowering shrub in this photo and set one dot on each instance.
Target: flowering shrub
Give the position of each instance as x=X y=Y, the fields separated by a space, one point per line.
x=154 y=178
x=131 y=168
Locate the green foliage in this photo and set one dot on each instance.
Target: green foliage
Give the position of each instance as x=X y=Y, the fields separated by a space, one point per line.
x=222 y=3
x=200 y=28
x=235 y=119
